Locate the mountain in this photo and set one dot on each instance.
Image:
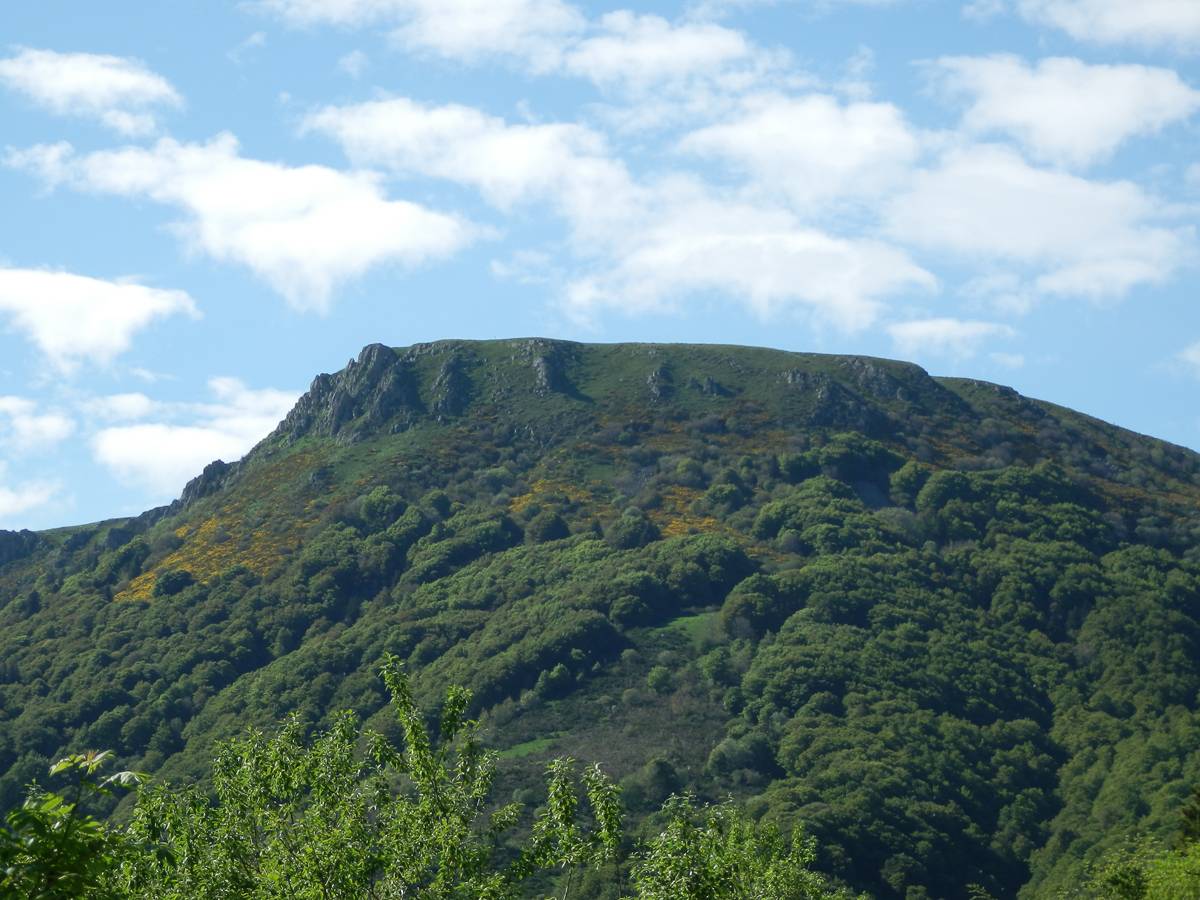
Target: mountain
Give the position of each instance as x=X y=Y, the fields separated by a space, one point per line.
x=952 y=630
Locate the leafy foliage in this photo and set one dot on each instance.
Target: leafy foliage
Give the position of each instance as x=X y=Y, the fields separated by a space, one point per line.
x=716 y=852
x=294 y=819
x=51 y=849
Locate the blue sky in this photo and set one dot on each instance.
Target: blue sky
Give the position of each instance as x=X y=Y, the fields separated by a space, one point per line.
x=207 y=203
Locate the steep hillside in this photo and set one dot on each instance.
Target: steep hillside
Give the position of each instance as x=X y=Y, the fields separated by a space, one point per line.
x=953 y=631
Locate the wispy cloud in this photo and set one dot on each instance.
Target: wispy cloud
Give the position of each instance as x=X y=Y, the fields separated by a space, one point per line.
x=24 y=427
x=954 y=338
x=19 y=498
x=119 y=92
x=1155 y=23
x=1190 y=357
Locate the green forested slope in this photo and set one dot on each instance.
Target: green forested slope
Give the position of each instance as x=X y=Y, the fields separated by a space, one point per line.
x=951 y=630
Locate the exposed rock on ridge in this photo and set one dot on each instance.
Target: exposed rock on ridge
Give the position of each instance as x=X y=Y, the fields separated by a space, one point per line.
x=387 y=390
x=376 y=386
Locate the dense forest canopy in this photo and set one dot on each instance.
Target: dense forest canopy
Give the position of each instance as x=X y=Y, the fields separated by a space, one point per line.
x=950 y=631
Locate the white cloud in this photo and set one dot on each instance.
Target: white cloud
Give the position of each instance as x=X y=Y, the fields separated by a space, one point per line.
x=956 y=338
x=122 y=407
x=645 y=246
x=711 y=8
x=695 y=243
x=619 y=50
x=72 y=318
x=148 y=375
x=16 y=499
x=1004 y=292
x=1147 y=22
x=525 y=267
x=1008 y=360
x=119 y=92
x=51 y=162
x=162 y=456
x=353 y=63
x=23 y=428
x=1190 y=357
x=302 y=229
x=534 y=30
x=813 y=148
x=239 y=53
x=983 y=10
x=1083 y=238
x=1064 y=110
x=336 y=12
x=674 y=74
x=856 y=84
x=508 y=164
x=634 y=51
x=466 y=30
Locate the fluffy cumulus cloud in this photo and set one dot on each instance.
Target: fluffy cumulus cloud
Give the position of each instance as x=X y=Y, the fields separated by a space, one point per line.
x=1062 y=109
x=302 y=229
x=1170 y=23
x=955 y=338
x=161 y=456
x=813 y=148
x=73 y=318
x=645 y=244
x=507 y=163
x=696 y=243
x=23 y=427
x=1075 y=236
x=121 y=93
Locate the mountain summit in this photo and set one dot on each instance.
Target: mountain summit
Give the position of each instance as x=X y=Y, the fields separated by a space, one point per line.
x=951 y=631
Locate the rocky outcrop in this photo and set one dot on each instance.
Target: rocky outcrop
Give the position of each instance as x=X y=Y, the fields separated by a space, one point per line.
x=874 y=379
x=215 y=476
x=889 y=380
x=710 y=386
x=377 y=387
x=661 y=384
x=830 y=405
x=451 y=389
